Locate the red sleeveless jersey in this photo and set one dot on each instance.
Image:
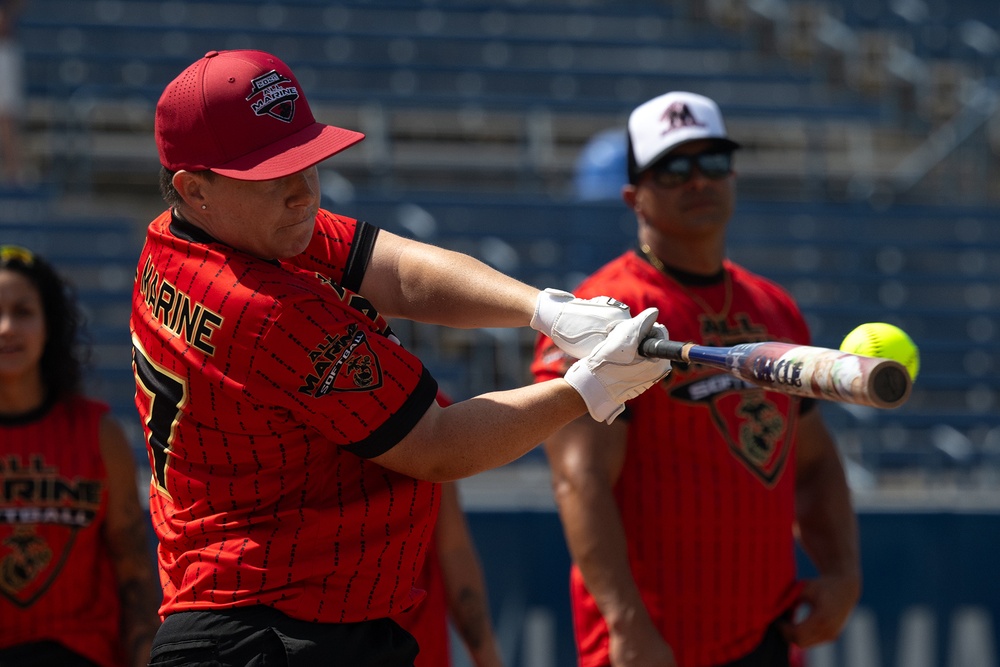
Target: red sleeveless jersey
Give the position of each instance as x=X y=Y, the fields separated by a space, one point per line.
x=56 y=578
x=263 y=388
x=706 y=494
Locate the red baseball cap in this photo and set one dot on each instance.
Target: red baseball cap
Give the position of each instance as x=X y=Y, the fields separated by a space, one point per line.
x=242 y=114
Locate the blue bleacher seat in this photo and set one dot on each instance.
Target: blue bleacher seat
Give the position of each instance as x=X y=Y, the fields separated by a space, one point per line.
x=931 y=269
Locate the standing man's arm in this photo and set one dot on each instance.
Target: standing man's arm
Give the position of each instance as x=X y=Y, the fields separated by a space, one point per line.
x=464 y=584
x=828 y=531
x=586 y=459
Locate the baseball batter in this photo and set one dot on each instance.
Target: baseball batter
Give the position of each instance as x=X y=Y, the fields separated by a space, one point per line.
x=294 y=442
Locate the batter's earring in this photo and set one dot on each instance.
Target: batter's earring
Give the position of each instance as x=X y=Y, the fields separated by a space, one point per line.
x=204 y=207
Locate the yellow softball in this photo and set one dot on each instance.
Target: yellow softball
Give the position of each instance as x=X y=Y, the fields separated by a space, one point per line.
x=886 y=341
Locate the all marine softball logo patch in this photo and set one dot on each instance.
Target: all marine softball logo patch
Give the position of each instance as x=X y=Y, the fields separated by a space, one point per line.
x=757 y=431
x=25 y=572
x=343 y=363
x=750 y=420
x=274 y=98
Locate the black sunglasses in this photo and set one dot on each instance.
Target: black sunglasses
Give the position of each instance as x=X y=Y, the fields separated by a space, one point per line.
x=673 y=171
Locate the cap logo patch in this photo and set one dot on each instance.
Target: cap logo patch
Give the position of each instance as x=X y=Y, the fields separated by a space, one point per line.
x=678 y=115
x=274 y=99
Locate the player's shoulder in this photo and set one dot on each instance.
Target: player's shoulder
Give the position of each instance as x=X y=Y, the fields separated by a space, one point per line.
x=618 y=274
x=327 y=219
x=755 y=282
x=78 y=404
x=773 y=302
x=627 y=278
x=90 y=404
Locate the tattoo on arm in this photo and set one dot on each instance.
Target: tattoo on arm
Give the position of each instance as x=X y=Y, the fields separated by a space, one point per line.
x=138 y=625
x=138 y=587
x=471 y=618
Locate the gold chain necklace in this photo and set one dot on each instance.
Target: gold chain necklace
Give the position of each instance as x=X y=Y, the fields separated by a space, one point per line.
x=726 y=281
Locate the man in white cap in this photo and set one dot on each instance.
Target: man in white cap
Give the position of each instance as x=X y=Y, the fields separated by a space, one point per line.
x=680 y=515
x=295 y=445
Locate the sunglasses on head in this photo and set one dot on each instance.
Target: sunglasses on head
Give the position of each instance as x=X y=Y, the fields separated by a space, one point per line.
x=14 y=253
x=673 y=171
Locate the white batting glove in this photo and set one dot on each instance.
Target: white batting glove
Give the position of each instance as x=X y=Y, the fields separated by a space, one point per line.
x=615 y=372
x=576 y=325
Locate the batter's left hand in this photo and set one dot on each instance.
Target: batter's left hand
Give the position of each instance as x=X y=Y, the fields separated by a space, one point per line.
x=828 y=602
x=577 y=326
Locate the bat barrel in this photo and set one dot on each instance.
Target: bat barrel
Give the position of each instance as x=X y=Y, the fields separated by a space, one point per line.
x=800 y=370
x=819 y=372
x=890 y=384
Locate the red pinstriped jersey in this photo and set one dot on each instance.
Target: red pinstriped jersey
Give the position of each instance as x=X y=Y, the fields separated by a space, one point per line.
x=56 y=578
x=706 y=494
x=264 y=388
x=427 y=621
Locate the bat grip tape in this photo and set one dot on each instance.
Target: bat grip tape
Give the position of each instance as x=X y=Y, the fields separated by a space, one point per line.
x=665 y=349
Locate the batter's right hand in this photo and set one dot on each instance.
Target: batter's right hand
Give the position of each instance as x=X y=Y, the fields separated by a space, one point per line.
x=615 y=371
x=577 y=326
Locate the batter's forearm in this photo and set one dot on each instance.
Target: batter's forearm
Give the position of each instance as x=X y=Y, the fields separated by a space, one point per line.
x=483 y=432
x=425 y=283
x=458 y=291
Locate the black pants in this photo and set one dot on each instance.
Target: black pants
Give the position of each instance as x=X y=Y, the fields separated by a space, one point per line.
x=42 y=654
x=264 y=637
x=772 y=651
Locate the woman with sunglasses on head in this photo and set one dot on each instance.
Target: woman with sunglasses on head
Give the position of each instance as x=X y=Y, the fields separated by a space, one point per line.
x=77 y=584
x=682 y=516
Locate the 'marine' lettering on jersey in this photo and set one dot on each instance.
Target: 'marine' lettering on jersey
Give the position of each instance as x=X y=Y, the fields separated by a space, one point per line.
x=53 y=498
x=177 y=311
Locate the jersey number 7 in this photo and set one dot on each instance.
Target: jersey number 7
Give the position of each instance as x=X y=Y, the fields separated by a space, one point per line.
x=165 y=394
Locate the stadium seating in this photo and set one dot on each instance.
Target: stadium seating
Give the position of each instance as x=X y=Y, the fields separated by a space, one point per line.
x=476 y=115
x=565 y=70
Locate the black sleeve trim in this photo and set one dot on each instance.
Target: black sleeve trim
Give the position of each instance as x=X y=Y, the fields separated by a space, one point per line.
x=399 y=424
x=361 y=253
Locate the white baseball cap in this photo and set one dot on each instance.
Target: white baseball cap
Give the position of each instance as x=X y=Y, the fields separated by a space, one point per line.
x=663 y=123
